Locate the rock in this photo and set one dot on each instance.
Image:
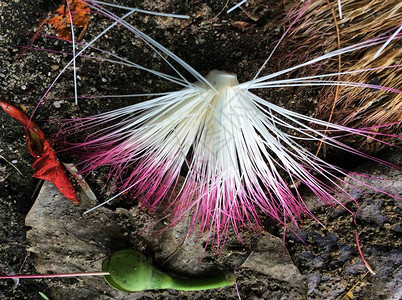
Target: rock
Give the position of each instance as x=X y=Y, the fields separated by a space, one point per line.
x=330 y=258
x=382 y=177
x=375 y=179
x=65 y=241
x=313 y=281
x=370 y=211
x=268 y=257
x=177 y=252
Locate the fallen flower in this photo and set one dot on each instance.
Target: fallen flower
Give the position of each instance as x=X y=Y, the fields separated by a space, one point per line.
x=241 y=155
x=235 y=145
x=75 y=12
x=46 y=165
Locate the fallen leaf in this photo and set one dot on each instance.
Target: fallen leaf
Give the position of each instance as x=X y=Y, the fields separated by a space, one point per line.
x=60 y=18
x=46 y=165
x=60 y=21
x=242 y=25
x=43 y=296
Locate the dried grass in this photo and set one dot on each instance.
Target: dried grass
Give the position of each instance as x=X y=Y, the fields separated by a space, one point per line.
x=315 y=34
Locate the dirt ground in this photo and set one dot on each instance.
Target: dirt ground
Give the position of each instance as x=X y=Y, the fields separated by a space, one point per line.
x=328 y=262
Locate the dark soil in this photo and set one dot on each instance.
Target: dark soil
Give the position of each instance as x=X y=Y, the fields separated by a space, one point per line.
x=211 y=39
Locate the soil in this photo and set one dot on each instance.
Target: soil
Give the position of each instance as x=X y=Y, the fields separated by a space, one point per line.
x=211 y=39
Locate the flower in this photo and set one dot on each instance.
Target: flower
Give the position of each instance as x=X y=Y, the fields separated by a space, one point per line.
x=239 y=154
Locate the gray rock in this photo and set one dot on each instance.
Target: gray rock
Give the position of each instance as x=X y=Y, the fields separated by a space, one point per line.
x=331 y=261
x=65 y=241
x=268 y=257
x=174 y=250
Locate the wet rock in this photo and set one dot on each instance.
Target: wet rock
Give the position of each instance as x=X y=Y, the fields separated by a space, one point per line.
x=178 y=253
x=382 y=177
x=372 y=178
x=355 y=269
x=397 y=228
x=63 y=240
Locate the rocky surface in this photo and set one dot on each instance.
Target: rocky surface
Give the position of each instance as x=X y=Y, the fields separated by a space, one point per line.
x=330 y=259
x=64 y=241
x=327 y=265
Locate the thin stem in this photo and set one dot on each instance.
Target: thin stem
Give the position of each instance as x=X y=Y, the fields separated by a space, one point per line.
x=360 y=249
x=387 y=42
x=11 y=164
x=236 y=6
x=338 y=38
x=74 y=57
x=60 y=275
x=221 y=280
x=143 y=11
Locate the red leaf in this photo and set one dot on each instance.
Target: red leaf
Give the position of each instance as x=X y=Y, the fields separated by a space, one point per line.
x=46 y=165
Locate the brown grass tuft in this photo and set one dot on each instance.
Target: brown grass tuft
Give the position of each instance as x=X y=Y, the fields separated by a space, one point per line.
x=315 y=34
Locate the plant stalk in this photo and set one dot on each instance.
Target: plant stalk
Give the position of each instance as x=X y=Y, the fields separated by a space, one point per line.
x=60 y=275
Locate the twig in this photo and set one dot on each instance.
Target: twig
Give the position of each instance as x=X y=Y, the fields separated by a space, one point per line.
x=354 y=286
x=1 y=156
x=37 y=189
x=223 y=9
x=23 y=263
x=338 y=38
